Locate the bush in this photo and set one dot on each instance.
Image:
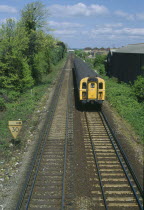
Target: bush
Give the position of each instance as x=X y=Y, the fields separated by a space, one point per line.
x=99 y=59
x=99 y=63
x=2 y=104
x=101 y=69
x=138 y=88
x=13 y=95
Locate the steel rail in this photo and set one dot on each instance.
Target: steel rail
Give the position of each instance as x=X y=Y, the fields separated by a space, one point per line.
x=104 y=119
x=44 y=132
x=65 y=159
x=97 y=165
x=65 y=147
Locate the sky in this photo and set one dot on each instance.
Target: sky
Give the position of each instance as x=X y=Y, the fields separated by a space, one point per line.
x=88 y=23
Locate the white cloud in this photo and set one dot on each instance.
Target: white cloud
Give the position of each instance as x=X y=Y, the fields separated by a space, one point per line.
x=65 y=24
x=125 y=15
x=113 y=32
x=8 y=9
x=65 y=32
x=131 y=31
x=114 y=25
x=128 y=16
x=79 y=9
x=101 y=31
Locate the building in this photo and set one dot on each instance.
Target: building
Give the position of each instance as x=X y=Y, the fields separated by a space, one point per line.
x=70 y=50
x=126 y=63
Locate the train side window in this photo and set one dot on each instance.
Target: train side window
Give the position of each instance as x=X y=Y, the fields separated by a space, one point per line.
x=100 y=85
x=84 y=85
x=92 y=85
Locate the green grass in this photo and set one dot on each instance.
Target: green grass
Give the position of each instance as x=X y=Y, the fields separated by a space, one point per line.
x=121 y=96
x=24 y=106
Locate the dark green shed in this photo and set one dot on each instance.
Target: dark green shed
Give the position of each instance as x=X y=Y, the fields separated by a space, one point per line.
x=126 y=63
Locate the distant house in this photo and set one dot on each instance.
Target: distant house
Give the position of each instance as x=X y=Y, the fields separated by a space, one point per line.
x=87 y=50
x=126 y=63
x=70 y=50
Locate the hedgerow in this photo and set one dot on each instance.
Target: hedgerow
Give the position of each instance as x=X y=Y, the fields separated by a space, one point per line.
x=138 y=88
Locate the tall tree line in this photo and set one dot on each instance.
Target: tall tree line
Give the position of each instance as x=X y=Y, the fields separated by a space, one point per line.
x=26 y=50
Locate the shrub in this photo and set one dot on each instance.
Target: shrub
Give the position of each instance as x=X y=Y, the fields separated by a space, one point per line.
x=2 y=104
x=101 y=69
x=138 y=88
x=99 y=63
x=13 y=95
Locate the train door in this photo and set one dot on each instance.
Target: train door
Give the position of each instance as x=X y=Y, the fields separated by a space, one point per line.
x=92 y=90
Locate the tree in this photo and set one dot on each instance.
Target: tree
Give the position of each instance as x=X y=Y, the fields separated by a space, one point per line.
x=26 y=51
x=34 y=16
x=34 y=19
x=14 y=70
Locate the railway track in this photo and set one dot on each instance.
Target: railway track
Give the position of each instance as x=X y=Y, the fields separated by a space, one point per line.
x=51 y=181
x=112 y=184
x=45 y=185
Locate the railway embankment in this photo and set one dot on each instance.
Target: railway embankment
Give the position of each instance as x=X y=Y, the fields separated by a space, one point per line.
x=121 y=96
x=31 y=108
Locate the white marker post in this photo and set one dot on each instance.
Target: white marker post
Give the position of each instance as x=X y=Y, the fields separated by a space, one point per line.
x=15 y=127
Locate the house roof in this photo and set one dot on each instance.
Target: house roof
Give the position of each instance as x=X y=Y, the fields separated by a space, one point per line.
x=132 y=48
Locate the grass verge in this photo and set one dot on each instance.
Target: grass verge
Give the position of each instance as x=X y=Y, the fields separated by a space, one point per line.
x=121 y=97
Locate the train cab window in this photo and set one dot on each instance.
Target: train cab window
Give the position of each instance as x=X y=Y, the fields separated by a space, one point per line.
x=100 y=85
x=84 y=85
x=92 y=85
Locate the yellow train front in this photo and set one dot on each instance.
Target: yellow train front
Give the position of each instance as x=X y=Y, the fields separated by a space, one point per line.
x=90 y=87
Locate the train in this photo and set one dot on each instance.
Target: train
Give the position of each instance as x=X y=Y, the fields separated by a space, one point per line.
x=90 y=86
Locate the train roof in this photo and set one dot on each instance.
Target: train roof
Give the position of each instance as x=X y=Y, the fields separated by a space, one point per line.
x=82 y=69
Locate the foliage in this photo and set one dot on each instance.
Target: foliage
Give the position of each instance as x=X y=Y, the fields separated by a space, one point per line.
x=58 y=52
x=101 y=69
x=28 y=64
x=24 y=107
x=2 y=104
x=34 y=16
x=99 y=64
x=14 y=70
x=26 y=51
x=122 y=97
x=138 y=88
x=81 y=54
x=89 y=61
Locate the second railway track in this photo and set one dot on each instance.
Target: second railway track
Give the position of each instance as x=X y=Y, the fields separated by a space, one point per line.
x=112 y=185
